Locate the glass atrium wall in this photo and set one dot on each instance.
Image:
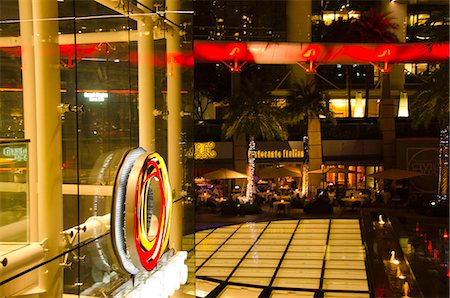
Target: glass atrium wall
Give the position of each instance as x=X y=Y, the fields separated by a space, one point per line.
x=82 y=83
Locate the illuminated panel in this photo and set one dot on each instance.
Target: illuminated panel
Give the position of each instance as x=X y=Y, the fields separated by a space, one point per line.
x=142 y=207
x=291 y=53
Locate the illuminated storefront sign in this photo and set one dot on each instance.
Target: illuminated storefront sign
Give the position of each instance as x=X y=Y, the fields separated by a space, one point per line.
x=205 y=150
x=264 y=150
x=18 y=153
x=96 y=96
x=141 y=211
x=294 y=153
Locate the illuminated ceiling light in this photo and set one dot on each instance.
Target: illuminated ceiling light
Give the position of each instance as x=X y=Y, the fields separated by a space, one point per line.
x=403 y=105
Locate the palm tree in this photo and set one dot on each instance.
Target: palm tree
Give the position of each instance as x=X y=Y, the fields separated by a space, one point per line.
x=430 y=102
x=253 y=112
x=306 y=104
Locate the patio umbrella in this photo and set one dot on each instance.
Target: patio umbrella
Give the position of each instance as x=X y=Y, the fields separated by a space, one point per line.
x=223 y=173
x=331 y=170
x=275 y=172
x=396 y=174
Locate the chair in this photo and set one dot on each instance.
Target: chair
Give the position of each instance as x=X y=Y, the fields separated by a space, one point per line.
x=356 y=204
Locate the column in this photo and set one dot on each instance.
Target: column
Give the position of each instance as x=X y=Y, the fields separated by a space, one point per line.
x=48 y=139
x=174 y=125
x=298 y=14
x=29 y=109
x=398 y=12
x=146 y=80
x=387 y=121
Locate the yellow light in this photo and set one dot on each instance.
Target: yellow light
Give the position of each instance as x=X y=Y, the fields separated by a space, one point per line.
x=359 y=109
x=403 y=105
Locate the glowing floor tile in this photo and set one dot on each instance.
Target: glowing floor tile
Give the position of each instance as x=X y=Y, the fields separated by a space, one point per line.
x=212 y=241
x=258 y=281
x=345 y=256
x=203 y=287
x=229 y=254
x=240 y=241
x=345 y=221
x=345 y=295
x=277 y=242
x=255 y=252
x=291 y=294
x=345 y=284
x=348 y=242
x=345 y=231
x=206 y=247
x=214 y=271
x=245 y=236
x=343 y=248
x=275 y=236
x=251 y=261
x=299 y=272
x=292 y=254
x=272 y=230
x=216 y=262
x=345 y=274
x=199 y=261
x=219 y=236
x=311 y=230
x=252 y=225
x=203 y=254
x=235 y=247
x=306 y=248
x=287 y=263
x=354 y=236
x=313 y=225
x=291 y=282
x=284 y=222
x=333 y=264
x=254 y=272
x=321 y=236
x=269 y=247
x=315 y=221
x=309 y=242
x=239 y=292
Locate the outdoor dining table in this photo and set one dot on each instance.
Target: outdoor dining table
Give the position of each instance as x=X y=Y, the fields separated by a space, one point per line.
x=283 y=205
x=350 y=200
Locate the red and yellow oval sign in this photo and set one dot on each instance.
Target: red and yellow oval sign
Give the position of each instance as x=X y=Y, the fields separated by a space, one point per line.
x=142 y=210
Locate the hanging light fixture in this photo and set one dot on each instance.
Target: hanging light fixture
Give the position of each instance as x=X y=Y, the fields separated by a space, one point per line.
x=403 y=105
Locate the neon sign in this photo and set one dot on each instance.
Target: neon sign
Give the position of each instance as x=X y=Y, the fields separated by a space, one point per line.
x=141 y=211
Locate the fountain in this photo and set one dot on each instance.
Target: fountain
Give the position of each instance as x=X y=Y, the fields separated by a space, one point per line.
x=392 y=259
x=405 y=289
x=380 y=220
x=400 y=274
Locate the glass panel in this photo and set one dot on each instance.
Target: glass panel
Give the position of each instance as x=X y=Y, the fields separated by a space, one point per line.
x=14 y=201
